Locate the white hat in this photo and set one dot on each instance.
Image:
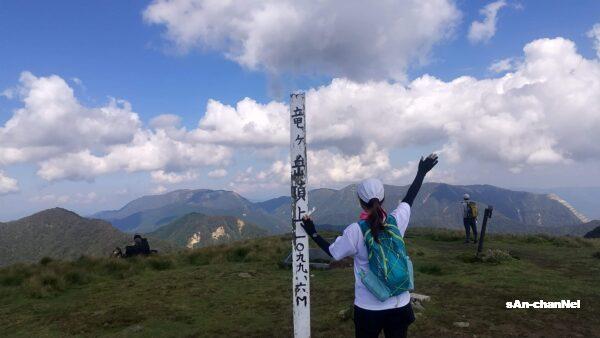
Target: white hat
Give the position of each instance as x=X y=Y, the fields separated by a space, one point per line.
x=370 y=188
x=466 y=196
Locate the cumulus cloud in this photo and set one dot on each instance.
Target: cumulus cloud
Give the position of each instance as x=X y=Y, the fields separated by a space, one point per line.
x=7 y=184
x=52 y=121
x=594 y=34
x=483 y=31
x=71 y=141
x=248 y=124
x=338 y=38
x=160 y=176
x=544 y=112
x=249 y=180
x=149 y=151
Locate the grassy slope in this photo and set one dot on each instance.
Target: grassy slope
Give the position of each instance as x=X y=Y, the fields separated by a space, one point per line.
x=199 y=293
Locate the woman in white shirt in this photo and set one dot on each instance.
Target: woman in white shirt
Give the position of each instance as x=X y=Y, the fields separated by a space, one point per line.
x=371 y=315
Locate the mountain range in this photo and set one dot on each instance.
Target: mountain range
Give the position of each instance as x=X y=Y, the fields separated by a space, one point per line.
x=198 y=218
x=197 y=230
x=437 y=205
x=148 y=213
x=584 y=199
x=62 y=234
x=57 y=233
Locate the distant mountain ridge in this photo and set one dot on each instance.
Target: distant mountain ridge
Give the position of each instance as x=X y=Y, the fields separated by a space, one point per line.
x=148 y=213
x=57 y=233
x=197 y=230
x=437 y=205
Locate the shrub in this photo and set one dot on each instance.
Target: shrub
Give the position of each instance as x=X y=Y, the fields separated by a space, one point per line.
x=496 y=256
x=14 y=275
x=492 y=256
x=44 y=285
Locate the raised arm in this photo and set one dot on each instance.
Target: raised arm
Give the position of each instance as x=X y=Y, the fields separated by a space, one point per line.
x=425 y=165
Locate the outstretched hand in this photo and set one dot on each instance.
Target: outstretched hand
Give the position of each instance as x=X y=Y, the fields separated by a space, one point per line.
x=425 y=165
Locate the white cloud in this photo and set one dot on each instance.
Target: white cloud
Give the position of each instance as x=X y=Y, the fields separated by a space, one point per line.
x=545 y=112
x=275 y=176
x=8 y=184
x=248 y=124
x=503 y=65
x=594 y=33
x=71 y=141
x=165 y=121
x=52 y=122
x=217 y=173
x=149 y=151
x=160 y=176
x=541 y=113
x=483 y=31
x=350 y=39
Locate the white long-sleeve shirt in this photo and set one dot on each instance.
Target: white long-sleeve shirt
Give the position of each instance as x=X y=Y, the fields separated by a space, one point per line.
x=352 y=243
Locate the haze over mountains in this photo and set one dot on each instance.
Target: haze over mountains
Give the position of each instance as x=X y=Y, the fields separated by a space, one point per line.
x=437 y=205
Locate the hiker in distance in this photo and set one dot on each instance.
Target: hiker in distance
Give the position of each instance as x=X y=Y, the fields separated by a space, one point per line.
x=382 y=269
x=469 y=211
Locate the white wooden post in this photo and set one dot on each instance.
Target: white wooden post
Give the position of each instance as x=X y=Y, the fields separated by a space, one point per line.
x=300 y=260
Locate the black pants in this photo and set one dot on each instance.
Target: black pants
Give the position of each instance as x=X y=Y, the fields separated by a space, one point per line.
x=393 y=322
x=470 y=223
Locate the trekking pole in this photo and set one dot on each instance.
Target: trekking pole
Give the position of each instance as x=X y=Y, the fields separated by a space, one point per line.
x=486 y=215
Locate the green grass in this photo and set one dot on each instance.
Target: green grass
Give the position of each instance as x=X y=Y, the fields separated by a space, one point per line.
x=201 y=292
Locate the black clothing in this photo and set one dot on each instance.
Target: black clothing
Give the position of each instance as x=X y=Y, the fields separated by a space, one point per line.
x=393 y=322
x=140 y=247
x=470 y=224
x=309 y=227
x=413 y=190
x=145 y=247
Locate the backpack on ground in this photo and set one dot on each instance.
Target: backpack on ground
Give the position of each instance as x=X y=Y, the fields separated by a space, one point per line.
x=390 y=269
x=472 y=209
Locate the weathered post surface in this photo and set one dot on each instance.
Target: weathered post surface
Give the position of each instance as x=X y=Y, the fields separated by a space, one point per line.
x=300 y=260
x=487 y=215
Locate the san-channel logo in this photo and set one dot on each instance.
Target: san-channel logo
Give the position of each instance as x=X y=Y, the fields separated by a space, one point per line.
x=541 y=304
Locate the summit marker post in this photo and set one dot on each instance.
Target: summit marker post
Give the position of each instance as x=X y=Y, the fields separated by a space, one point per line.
x=300 y=260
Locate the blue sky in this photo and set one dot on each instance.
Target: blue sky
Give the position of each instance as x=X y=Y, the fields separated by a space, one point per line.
x=106 y=49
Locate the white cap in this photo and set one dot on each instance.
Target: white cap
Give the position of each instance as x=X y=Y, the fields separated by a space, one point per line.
x=466 y=196
x=370 y=188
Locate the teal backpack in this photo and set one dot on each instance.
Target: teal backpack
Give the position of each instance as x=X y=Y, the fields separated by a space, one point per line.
x=390 y=269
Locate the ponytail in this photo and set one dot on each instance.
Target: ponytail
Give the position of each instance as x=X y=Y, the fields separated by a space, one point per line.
x=376 y=215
